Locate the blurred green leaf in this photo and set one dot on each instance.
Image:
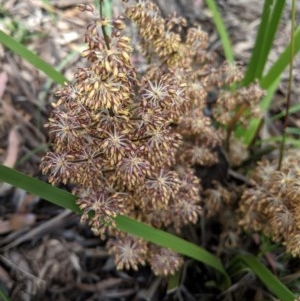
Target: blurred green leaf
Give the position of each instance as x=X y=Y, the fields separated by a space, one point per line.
x=3 y=296
x=31 y=153
x=291 y=130
x=270 y=82
x=282 y=62
x=270 y=20
x=221 y=30
x=174 y=281
x=271 y=282
x=167 y=240
x=293 y=109
x=289 y=141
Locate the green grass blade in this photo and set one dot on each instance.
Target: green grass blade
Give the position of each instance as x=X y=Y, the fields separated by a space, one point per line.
x=167 y=240
x=221 y=30
x=292 y=130
x=293 y=109
x=273 y=24
x=32 y=58
x=31 y=153
x=46 y=191
x=107 y=11
x=67 y=200
x=269 y=23
x=279 y=66
x=174 y=281
x=3 y=296
x=270 y=281
x=270 y=82
x=250 y=73
x=289 y=141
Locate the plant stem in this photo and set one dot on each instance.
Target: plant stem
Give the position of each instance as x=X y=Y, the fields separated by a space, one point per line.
x=105 y=36
x=233 y=123
x=290 y=83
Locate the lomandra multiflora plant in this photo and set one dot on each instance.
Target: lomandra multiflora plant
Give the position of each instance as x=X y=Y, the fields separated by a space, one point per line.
x=129 y=136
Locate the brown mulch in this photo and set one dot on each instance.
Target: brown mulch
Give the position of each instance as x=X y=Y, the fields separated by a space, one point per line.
x=45 y=253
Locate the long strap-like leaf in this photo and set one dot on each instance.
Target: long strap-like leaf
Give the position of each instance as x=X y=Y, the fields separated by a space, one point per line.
x=224 y=36
x=271 y=282
x=282 y=62
x=67 y=200
x=270 y=19
x=32 y=58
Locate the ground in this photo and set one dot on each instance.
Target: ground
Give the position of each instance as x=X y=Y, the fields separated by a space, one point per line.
x=45 y=253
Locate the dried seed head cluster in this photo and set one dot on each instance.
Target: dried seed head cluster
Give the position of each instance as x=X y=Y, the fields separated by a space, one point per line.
x=113 y=136
x=189 y=59
x=129 y=141
x=272 y=204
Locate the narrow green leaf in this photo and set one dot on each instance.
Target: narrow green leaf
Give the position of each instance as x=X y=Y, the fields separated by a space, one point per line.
x=159 y=237
x=221 y=30
x=3 y=296
x=270 y=20
x=293 y=109
x=174 y=281
x=32 y=58
x=291 y=130
x=270 y=82
x=250 y=73
x=274 y=20
x=107 y=11
x=270 y=281
x=289 y=141
x=282 y=62
x=31 y=153
x=167 y=240
x=46 y=191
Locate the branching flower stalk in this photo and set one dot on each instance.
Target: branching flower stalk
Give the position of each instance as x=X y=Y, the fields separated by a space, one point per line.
x=129 y=141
